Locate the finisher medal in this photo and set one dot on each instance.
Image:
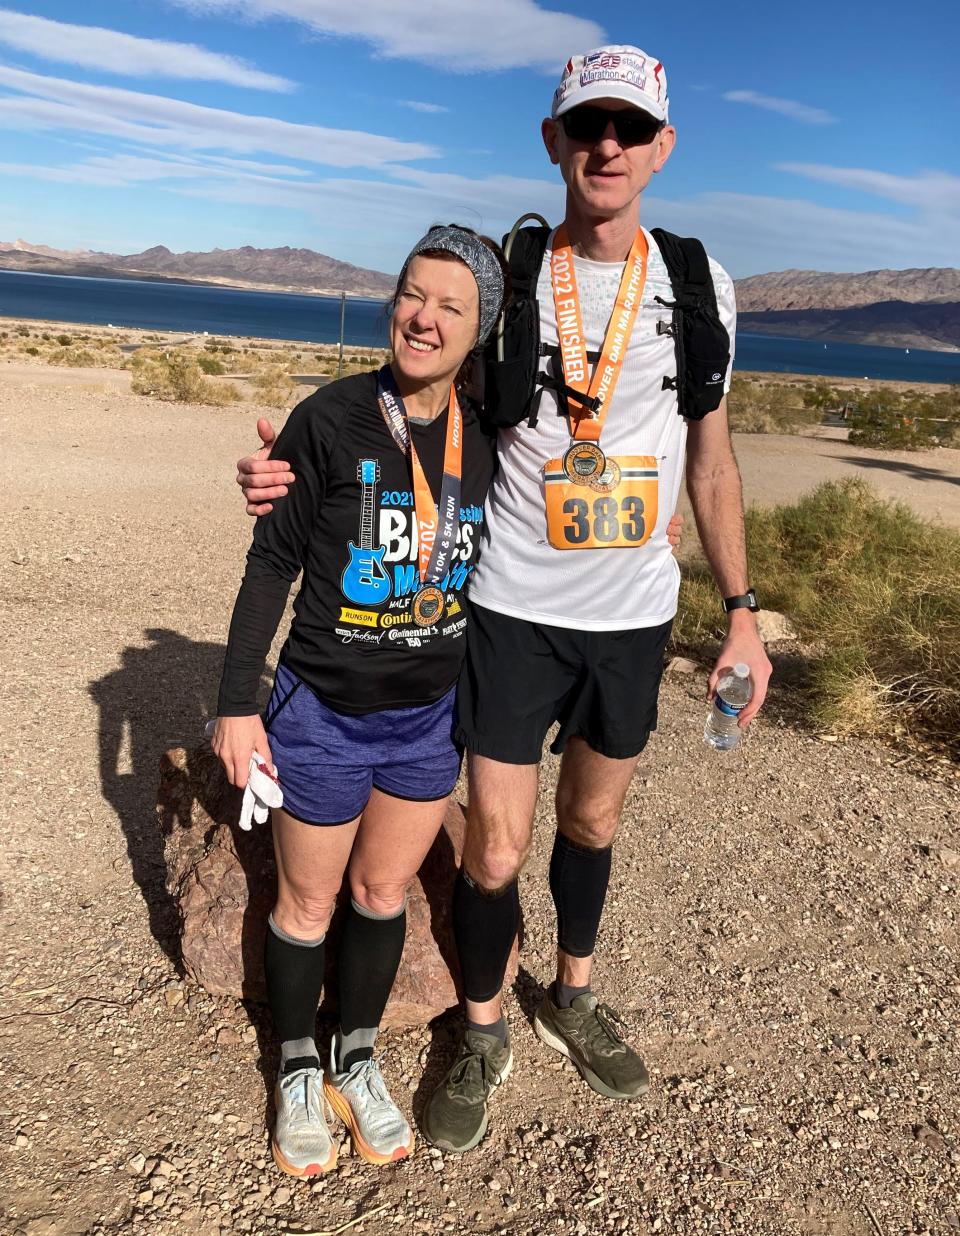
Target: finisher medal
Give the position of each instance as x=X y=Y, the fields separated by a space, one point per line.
x=428 y=607
x=606 y=482
x=583 y=462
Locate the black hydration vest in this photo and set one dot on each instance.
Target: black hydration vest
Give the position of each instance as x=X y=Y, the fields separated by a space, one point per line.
x=513 y=383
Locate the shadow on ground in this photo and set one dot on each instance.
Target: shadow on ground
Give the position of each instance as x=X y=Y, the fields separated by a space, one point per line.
x=915 y=471
x=160 y=697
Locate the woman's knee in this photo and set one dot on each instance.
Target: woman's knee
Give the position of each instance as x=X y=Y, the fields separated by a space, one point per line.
x=386 y=897
x=304 y=914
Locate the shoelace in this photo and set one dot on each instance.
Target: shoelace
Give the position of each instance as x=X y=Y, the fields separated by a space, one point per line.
x=291 y=1085
x=603 y=1031
x=366 y=1082
x=367 y=1073
x=471 y=1070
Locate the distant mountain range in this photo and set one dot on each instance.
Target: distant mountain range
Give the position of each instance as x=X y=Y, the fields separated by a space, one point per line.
x=285 y=269
x=894 y=308
x=897 y=308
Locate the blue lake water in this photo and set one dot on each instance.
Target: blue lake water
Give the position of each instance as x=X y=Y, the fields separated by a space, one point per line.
x=316 y=319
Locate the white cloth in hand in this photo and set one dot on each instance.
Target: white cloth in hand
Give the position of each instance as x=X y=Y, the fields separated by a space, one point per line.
x=262 y=792
x=262 y=789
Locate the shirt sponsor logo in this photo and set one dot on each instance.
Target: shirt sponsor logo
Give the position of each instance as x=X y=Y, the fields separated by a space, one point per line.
x=362 y=617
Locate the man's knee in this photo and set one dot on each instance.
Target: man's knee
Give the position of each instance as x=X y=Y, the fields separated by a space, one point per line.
x=494 y=865
x=593 y=825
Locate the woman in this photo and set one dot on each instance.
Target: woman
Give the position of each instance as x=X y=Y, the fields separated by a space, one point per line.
x=384 y=522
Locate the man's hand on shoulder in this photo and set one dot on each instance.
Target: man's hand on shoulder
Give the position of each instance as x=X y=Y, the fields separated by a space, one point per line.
x=743 y=644
x=262 y=478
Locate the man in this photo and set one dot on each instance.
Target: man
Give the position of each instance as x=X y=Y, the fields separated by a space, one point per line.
x=578 y=637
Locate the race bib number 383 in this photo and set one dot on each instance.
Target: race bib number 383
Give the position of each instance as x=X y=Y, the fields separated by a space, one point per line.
x=581 y=517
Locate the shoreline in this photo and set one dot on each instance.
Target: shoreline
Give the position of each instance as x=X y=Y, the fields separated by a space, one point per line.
x=131 y=337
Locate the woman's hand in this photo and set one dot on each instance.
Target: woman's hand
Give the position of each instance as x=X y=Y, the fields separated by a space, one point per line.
x=675 y=531
x=234 y=740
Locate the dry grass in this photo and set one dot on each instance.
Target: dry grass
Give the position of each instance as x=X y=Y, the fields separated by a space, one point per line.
x=768 y=407
x=176 y=376
x=872 y=586
x=272 y=386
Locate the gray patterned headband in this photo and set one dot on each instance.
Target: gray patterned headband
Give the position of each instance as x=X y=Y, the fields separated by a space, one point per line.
x=482 y=262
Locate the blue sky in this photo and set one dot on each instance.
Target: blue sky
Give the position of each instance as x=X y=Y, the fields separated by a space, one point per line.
x=821 y=136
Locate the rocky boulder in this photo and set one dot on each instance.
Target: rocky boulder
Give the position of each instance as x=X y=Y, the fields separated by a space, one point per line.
x=224 y=884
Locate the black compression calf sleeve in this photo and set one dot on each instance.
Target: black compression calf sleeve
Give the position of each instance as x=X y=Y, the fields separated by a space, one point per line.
x=578 y=881
x=485 y=925
x=370 y=951
x=294 y=972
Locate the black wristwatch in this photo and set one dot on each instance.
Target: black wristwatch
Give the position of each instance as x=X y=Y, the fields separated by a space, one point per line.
x=747 y=600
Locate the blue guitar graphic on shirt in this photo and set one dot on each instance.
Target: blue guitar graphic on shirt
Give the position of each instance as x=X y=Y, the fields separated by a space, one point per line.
x=364 y=580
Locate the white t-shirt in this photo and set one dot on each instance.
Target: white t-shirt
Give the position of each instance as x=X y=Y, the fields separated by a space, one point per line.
x=519 y=572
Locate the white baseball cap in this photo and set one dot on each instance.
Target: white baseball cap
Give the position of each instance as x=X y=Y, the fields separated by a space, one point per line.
x=617 y=72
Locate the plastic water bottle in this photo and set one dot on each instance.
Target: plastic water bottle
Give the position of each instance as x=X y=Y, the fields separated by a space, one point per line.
x=731 y=697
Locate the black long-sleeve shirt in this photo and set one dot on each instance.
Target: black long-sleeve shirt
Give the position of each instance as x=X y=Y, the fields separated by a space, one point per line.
x=348 y=523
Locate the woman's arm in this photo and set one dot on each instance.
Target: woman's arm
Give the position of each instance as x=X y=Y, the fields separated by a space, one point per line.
x=274 y=561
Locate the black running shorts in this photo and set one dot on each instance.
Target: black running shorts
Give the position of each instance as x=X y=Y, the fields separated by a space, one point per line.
x=520 y=677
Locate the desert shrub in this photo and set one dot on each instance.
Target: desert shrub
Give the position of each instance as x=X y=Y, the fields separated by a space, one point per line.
x=887 y=418
x=22 y=330
x=45 y=337
x=874 y=589
x=176 y=377
x=273 y=387
x=81 y=358
x=210 y=365
x=821 y=396
x=64 y=340
x=31 y=350
x=766 y=407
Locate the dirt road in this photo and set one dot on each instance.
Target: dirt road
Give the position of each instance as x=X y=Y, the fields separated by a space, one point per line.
x=781 y=933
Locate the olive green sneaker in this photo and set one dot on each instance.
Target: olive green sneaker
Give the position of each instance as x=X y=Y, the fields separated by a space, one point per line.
x=589 y=1034
x=456 y=1115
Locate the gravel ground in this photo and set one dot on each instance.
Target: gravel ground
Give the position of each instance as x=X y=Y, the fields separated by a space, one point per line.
x=781 y=932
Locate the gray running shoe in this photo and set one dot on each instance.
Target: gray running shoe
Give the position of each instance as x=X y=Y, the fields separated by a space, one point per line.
x=301 y=1142
x=456 y=1115
x=589 y=1034
x=360 y=1098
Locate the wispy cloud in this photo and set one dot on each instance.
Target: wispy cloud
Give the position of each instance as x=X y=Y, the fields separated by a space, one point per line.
x=344 y=215
x=153 y=120
x=785 y=107
x=928 y=191
x=460 y=37
x=429 y=109
x=753 y=233
x=124 y=170
x=126 y=55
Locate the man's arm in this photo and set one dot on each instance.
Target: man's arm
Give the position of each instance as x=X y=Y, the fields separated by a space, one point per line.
x=713 y=485
x=262 y=478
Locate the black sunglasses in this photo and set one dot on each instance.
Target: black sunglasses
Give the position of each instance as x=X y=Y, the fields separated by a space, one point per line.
x=632 y=126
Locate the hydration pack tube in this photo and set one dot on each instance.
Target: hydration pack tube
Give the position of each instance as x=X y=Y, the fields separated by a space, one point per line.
x=513 y=384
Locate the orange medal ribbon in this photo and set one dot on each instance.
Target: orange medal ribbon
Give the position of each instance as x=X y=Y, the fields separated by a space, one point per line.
x=437 y=527
x=573 y=347
x=429 y=517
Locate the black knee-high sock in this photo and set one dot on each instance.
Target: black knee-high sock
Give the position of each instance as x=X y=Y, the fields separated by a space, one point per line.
x=578 y=881
x=294 y=974
x=370 y=951
x=485 y=925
